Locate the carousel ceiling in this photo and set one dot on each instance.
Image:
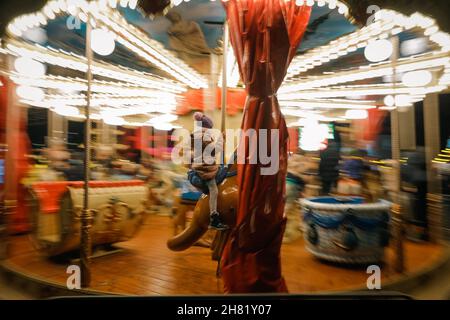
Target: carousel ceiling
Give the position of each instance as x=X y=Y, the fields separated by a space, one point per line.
x=151 y=63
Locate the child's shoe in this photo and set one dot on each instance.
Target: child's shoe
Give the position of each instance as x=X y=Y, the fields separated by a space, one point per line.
x=216 y=223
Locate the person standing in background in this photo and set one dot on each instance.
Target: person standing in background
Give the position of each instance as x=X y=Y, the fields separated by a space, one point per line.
x=329 y=164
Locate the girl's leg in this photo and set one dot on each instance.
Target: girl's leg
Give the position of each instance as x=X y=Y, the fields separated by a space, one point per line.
x=213 y=193
x=215 y=222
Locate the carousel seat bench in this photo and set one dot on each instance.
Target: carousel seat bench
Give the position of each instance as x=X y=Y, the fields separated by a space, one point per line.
x=117 y=211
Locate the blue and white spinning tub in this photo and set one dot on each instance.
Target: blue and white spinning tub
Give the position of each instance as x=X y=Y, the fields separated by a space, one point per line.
x=346 y=230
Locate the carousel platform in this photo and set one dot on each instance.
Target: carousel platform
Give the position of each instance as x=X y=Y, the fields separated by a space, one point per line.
x=145 y=266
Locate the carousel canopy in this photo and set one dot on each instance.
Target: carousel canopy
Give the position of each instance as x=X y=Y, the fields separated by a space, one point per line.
x=147 y=68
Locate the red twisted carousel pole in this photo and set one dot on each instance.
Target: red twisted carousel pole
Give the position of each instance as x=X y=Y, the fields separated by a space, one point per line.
x=265 y=35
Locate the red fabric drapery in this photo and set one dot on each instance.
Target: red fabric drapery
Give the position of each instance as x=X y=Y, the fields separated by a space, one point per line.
x=16 y=161
x=194 y=100
x=265 y=35
x=369 y=129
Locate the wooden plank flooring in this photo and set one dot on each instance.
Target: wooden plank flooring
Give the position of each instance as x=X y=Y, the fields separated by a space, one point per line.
x=147 y=267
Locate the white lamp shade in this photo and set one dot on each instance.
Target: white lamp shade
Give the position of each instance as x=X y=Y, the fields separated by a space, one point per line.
x=356 y=114
x=419 y=78
x=114 y=121
x=379 y=50
x=28 y=67
x=38 y=35
x=403 y=100
x=30 y=93
x=67 y=111
x=414 y=46
x=389 y=101
x=102 y=42
x=165 y=118
x=163 y=126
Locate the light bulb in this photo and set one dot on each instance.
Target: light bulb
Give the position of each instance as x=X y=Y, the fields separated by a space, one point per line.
x=30 y=93
x=67 y=111
x=403 y=100
x=356 y=114
x=102 y=42
x=389 y=101
x=419 y=78
x=163 y=126
x=114 y=121
x=163 y=119
x=379 y=50
x=29 y=67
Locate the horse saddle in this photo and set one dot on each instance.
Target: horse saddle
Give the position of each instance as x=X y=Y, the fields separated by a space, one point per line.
x=201 y=185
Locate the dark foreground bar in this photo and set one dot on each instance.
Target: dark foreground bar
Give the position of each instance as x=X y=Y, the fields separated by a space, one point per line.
x=356 y=305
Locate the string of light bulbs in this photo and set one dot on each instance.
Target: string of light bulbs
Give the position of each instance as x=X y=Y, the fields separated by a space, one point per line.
x=149 y=49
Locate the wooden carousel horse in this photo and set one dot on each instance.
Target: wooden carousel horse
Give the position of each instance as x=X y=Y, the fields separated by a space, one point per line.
x=183 y=205
x=183 y=210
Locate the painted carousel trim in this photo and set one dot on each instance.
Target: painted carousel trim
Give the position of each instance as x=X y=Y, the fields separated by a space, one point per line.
x=124 y=89
x=348 y=217
x=76 y=62
x=155 y=53
x=382 y=205
x=354 y=233
x=149 y=49
x=386 y=22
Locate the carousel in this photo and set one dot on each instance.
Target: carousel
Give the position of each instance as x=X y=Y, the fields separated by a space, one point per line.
x=93 y=95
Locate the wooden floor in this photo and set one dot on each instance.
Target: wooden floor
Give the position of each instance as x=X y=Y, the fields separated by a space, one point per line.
x=147 y=267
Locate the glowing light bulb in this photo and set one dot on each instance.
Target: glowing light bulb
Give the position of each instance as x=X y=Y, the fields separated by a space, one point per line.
x=67 y=111
x=356 y=114
x=419 y=78
x=403 y=100
x=132 y=4
x=114 y=121
x=30 y=93
x=29 y=67
x=389 y=101
x=163 y=119
x=379 y=50
x=163 y=126
x=103 y=42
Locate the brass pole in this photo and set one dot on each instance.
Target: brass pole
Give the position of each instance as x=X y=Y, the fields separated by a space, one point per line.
x=86 y=243
x=397 y=216
x=3 y=202
x=435 y=208
x=226 y=40
x=9 y=204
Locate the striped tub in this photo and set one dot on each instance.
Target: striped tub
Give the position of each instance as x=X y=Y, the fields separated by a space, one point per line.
x=346 y=230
